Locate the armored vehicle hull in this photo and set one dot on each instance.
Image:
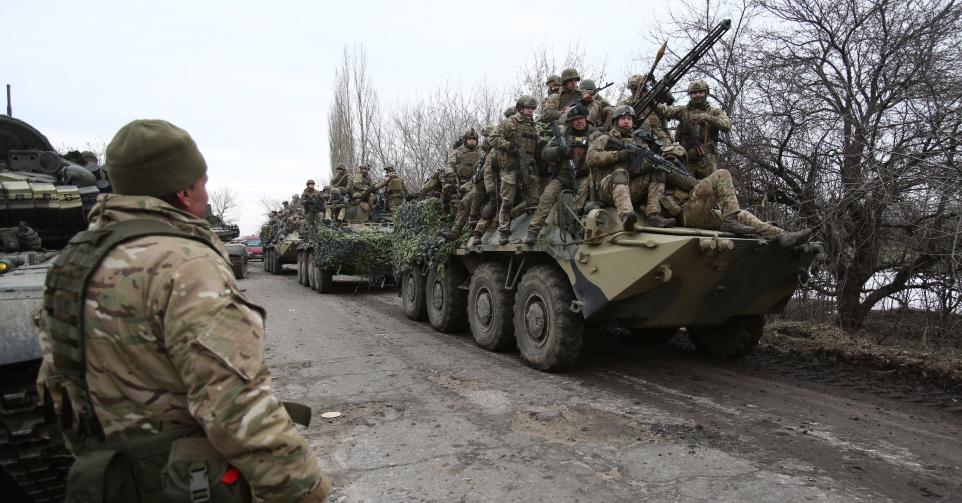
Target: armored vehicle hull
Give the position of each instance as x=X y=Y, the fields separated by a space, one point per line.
x=586 y=271
x=321 y=279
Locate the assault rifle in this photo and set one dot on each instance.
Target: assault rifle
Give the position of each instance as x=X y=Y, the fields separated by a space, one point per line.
x=519 y=167
x=680 y=176
x=565 y=149
x=658 y=92
x=479 y=169
x=593 y=92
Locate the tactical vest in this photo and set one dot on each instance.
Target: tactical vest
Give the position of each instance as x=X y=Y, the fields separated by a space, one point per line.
x=178 y=465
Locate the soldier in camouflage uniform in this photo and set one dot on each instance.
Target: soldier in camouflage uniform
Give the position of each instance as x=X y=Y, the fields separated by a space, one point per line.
x=486 y=202
x=697 y=208
x=172 y=351
x=313 y=204
x=334 y=208
x=360 y=188
x=459 y=181
x=698 y=127
x=597 y=104
x=560 y=161
x=341 y=177
x=555 y=104
x=518 y=149
x=612 y=174
x=395 y=190
x=553 y=84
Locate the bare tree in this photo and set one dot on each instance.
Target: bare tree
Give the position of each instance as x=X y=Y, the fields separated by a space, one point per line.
x=224 y=204
x=269 y=204
x=353 y=119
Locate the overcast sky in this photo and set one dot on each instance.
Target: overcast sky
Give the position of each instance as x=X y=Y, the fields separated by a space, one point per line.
x=251 y=81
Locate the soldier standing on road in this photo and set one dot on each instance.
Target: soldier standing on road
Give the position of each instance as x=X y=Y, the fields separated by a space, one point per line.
x=153 y=357
x=698 y=127
x=517 y=145
x=612 y=174
x=555 y=104
x=459 y=184
x=395 y=190
x=560 y=161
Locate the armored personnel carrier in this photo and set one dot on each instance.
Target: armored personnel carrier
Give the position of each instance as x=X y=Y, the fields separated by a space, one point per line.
x=44 y=191
x=237 y=252
x=586 y=271
x=358 y=249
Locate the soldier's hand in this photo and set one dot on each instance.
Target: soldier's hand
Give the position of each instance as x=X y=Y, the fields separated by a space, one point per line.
x=587 y=96
x=625 y=155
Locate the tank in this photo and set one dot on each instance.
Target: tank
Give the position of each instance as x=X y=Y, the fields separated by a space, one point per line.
x=51 y=194
x=228 y=233
x=586 y=271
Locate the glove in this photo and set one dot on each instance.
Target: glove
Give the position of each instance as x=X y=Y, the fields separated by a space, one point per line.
x=625 y=155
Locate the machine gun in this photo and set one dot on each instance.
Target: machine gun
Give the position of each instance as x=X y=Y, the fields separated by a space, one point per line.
x=645 y=102
x=594 y=92
x=679 y=176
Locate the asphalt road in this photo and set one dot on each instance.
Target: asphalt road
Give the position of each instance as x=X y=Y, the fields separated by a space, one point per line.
x=432 y=417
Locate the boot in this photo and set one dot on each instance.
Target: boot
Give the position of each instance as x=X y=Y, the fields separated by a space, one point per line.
x=504 y=237
x=659 y=221
x=628 y=221
x=448 y=234
x=531 y=238
x=733 y=225
x=792 y=239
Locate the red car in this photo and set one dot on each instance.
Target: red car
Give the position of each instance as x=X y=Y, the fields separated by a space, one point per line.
x=254 y=249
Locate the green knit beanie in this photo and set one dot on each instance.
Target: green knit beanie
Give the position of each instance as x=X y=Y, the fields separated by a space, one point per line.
x=153 y=158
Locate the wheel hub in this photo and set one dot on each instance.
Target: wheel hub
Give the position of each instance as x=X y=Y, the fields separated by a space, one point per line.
x=483 y=308
x=437 y=295
x=535 y=318
x=409 y=286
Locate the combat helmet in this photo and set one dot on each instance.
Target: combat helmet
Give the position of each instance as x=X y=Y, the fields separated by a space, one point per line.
x=587 y=85
x=389 y=169
x=364 y=167
x=575 y=112
x=526 y=101
x=621 y=112
x=470 y=133
x=553 y=79
x=698 y=85
x=508 y=112
x=634 y=81
x=569 y=74
x=310 y=182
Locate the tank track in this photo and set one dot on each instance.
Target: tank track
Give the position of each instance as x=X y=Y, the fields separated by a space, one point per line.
x=32 y=451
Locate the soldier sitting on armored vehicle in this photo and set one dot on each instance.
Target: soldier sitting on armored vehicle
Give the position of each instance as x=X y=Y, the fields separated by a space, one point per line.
x=699 y=125
x=360 y=189
x=459 y=185
x=615 y=161
x=313 y=205
x=395 y=190
x=486 y=184
x=554 y=105
x=518 y=146
x=341 y=177
x=565 y=158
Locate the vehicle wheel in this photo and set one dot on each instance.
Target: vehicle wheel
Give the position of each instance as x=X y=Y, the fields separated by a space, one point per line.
x=652 y=336
x=275 y=262
x=267 y=261
x=412 y=294
x=311 y=271
x=446 y=303
x=490 y=307
x=300 y=267
x=736 y=338
x=549 y=333
x=324 y=279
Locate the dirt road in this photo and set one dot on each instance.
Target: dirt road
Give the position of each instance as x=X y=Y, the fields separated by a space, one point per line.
x=432 y=417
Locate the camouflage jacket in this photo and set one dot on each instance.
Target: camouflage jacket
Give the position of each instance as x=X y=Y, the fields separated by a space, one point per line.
x=519 y=131
x=715 y=118
x=555 y=104
x=461 y=164
x=311 y=200
x=341 y=181
x=358 y=185
x=393 y=185
x=171 y=341
x=602 y=161
x=557 y=163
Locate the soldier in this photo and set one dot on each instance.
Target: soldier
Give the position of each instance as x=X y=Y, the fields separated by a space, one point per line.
x=597 y=104
x=555 y=104
x=612 y=174
x=313 y=205
x=518 y=150
x=156 y=366
x=335 y=207
x=696 y=208
x=553 y=83
x=341 y=177
x=396 y=192
x=561 y=161
x=360 y=188
x=460 y=184
x=486 y=202
x=698 y=126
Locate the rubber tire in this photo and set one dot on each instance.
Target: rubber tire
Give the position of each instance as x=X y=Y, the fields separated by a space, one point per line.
x=267 y=261
x=311 y=271
x=736 y=338
x=546 y=288
x=652 y=336
x=301 y=273
x=451 y=315
x=413 y=294
x=324 y=280
x=498 y=333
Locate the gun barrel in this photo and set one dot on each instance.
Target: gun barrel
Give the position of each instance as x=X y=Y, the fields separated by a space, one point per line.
x=9 y=105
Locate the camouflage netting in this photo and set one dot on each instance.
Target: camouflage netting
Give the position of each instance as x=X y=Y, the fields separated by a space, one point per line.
x=416 y=239
x=358 y=253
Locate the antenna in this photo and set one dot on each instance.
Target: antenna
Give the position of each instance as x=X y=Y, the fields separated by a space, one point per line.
x=9 y=108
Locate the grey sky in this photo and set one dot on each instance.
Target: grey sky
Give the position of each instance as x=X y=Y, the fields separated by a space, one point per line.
x=251 y=81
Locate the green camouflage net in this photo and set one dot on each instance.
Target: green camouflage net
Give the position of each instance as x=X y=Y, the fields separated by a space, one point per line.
x=416 y=239
x=353 y=252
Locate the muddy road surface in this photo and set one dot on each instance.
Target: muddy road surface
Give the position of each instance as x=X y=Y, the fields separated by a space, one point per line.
x=427 y=416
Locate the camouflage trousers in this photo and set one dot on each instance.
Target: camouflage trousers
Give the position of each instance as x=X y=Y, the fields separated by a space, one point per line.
x=547 y=200
x=486 y=201
x=394 y=201
x=717 y=189
x=581 y=196
x=704 y=166
x=509 y=191
x=309 y=225
x=616 y=189
x=465 y=206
